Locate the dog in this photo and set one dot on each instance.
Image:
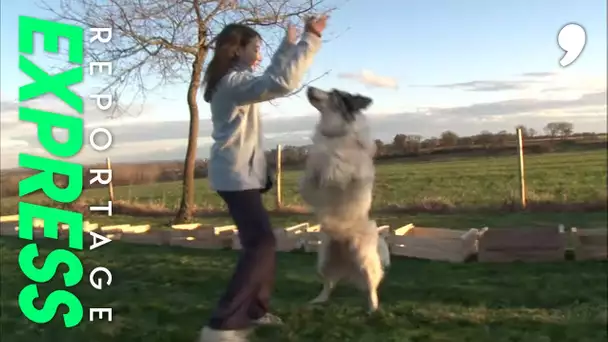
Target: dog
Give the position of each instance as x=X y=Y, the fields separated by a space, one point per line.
x=338 y=184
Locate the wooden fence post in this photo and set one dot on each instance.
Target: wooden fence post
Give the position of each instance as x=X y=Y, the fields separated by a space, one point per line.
x=277 y=188
x=110 y=185
x=522 y=178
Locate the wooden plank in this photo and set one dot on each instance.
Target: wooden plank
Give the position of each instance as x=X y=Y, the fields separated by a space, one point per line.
x=113 y=235
x=9 y=229
x=312 y=246
x=38 y=223
x=140 y=229
x=287 y=244
x=436 y=233
x=192 y=242
x=312 y=242
x=590 y=244
x=434 y=243
x=38 y=232
x=297 y=229
x=9 y=218
x=522 y=255
x=431 y=250
x=228 y=230
x=403 y=229
x=86 y=226
x=315 y=228
x=200 y=233
x=287 y=241
x=187 y=226
x=197 y=235
x=521 y=238
x=89 y=227
x=116 y=227
x=428 y=254
x=591 y=254
x=158 y=237
x=224 y=235
x=592 y=240
x=522 y=244
x=410 y=249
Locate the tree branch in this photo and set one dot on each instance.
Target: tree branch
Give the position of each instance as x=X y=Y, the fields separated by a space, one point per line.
x=155 y=42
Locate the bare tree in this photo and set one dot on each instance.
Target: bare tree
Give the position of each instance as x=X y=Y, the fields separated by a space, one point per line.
x=161 y=42
x=566 y=129
x=449 y=138
x=526 y=132
x=552 y=129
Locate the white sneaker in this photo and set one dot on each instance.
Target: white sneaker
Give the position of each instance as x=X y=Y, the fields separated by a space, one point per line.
x=211 y=335
x=268 y=320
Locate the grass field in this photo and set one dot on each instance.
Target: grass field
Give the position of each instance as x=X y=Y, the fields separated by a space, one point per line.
x=165 y=295
x=472 y=182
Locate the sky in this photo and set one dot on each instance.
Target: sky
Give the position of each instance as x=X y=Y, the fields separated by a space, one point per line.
x=428 y=65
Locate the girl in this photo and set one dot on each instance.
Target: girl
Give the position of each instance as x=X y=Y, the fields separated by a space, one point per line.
x=237 y=165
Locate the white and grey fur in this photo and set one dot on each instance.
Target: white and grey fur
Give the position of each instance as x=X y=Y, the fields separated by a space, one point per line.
x=338 y=184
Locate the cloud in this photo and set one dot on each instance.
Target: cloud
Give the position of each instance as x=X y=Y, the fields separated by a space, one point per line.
x=538 y=74
x=484 y=85
x=368 y=78
x=556 y=97
x=523 y=106
x=531 y=84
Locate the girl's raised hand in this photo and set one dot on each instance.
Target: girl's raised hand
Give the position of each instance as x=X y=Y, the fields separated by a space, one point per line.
x=316 y=25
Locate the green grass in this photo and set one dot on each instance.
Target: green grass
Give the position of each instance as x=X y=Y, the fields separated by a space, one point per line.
x=162 y=294
x=471 y=182
x=166 y=294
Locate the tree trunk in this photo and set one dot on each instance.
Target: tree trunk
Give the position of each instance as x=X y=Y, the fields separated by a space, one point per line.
x=184 y=214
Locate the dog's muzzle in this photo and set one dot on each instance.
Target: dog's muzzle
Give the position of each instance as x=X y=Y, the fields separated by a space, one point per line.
x=314 y=94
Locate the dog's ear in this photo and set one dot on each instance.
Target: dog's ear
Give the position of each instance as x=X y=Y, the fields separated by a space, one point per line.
x=355 y=103
x=360 y=102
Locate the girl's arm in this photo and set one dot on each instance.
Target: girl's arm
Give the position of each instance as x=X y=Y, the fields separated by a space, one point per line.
x=280 y=78
x=284 y=51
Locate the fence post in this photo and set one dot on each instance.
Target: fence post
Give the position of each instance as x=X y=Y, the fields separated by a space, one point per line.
x=110 y=185
x=277 y=188
x=522 y=178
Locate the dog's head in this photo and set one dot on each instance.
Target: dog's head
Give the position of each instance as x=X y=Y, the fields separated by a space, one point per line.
x=337 y=103
x=341 y=113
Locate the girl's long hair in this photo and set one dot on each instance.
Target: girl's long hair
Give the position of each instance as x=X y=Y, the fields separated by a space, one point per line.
x=228 y=42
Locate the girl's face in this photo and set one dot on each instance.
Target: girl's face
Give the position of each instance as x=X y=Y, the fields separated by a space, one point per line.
x=250 y=54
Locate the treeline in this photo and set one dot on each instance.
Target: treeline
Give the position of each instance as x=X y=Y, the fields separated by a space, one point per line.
x=559 y=136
